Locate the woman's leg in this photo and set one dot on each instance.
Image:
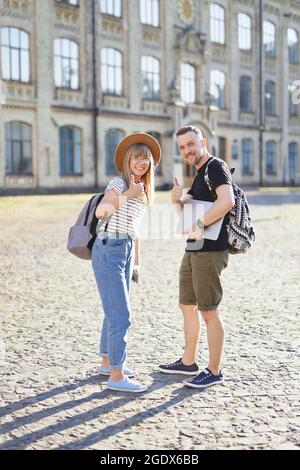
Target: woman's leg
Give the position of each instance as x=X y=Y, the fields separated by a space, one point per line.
x=109 y=263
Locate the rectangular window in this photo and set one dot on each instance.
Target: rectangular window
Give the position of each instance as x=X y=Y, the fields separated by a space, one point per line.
x=244 y=23
x=149 y=10
x=217 y=23
x=269 y=39
x=111 y=7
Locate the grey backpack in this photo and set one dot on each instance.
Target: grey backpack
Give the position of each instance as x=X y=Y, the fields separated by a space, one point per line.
x=240 y=231
x=83 y=234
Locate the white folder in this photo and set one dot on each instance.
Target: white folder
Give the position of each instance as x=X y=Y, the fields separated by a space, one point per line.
x=194 y=210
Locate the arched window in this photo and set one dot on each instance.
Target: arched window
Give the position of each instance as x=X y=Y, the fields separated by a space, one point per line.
x=18 y=156
x=293 y=45
x=271 y=157
x=111 y=71
x=269 y=39
x=150 y=78
x=247 y=156
x=270 y=98
x=244 y=23
x=149 y=10
x=293 y=157
x=66 y=64
x=112 y=138
x=245 y=94
x=70 y=150
x=217 y=87
x=217 y=23
x=188 y=83
x=15 y=56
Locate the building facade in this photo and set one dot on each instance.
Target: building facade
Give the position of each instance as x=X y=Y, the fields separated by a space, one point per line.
x=78 y=75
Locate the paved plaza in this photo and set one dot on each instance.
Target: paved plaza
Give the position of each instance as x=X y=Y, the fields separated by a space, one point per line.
x=51 y=396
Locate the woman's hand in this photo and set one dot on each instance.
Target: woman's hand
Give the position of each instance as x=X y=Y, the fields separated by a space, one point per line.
x=135 y=189
x=136 y=274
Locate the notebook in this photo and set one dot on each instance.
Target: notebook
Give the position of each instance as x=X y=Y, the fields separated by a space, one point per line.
x=194 y=210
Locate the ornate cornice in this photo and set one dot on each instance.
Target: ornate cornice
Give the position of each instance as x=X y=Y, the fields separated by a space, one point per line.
x=20 y=9
x=66 y=17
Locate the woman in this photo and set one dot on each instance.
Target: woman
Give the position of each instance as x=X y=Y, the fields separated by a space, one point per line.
x=116 y=250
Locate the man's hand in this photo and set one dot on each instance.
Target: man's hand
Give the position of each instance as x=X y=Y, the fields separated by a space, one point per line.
x=176 y=191
x=135 y=189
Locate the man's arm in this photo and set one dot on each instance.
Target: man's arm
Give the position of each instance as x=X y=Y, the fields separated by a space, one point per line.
x=222 y=205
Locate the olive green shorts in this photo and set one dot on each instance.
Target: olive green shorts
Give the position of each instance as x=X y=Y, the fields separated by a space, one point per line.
x=200 y=278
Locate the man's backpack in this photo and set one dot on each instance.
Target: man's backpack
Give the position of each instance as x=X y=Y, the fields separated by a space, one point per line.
x=240 y=231
x=83 y=234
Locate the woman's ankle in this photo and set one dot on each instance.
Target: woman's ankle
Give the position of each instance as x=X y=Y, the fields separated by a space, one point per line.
x=116 y=375
x=105 y=362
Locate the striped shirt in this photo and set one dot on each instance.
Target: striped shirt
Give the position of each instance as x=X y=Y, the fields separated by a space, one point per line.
x=128 y=218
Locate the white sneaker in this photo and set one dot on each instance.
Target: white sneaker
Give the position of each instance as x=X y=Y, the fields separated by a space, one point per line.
x=126 y=385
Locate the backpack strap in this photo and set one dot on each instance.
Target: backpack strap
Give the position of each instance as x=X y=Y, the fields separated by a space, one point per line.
x=207 y=180
x=88 y=210
x=206 y=177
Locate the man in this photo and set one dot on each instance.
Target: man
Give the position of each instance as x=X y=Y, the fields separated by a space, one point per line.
x=200 y=286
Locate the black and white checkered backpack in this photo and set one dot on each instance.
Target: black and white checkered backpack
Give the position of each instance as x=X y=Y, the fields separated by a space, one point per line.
x=240 y=231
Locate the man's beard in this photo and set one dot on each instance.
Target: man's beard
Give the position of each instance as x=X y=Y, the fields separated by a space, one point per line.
x=198 y=159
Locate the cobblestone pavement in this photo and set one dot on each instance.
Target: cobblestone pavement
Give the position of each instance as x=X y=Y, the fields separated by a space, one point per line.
x=51 y=394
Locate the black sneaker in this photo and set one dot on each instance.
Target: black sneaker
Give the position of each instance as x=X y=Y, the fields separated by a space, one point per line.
x=179 y=368
x=205 y=379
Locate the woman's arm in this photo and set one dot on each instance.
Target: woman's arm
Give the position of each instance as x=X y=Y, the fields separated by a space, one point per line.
x=137 y=253
x=112 y=200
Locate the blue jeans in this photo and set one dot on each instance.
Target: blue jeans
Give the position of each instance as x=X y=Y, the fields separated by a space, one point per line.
x=112 y=261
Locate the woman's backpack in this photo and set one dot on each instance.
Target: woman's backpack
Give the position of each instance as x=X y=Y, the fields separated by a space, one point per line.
x=83 y=234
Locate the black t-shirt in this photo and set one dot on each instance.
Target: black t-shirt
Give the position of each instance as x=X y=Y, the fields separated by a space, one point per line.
x=218 y=173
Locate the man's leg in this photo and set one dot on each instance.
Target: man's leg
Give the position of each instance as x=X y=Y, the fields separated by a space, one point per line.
x=191 y=332
x=215 y=338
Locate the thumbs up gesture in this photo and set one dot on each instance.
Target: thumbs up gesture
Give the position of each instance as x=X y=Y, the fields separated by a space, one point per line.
x=135 y=189
x=176 y=191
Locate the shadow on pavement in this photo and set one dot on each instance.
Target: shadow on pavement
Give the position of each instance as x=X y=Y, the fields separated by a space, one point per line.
x=21 y=442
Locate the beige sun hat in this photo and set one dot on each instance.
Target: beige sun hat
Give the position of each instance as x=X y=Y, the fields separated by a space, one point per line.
x=137 y=138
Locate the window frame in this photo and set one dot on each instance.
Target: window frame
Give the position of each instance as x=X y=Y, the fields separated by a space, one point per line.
x=22 y=141
x=13 y=50
x=60 y=58
x=183 y=81
x=217 y=24
x=245 y=79
x=270 y=102
x=220 y=100
x=155 y=76
x=267 y=26
x=117 y=72
x=148 y=13
x=293 y=49
x=63 y=163
x=247 y=156
x=117 y=6
x=271 y=163
x=109 y=154
x=243 y=32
